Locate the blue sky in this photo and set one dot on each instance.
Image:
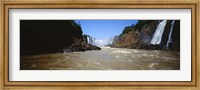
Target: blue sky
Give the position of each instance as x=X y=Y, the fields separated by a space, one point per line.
x=104 y=29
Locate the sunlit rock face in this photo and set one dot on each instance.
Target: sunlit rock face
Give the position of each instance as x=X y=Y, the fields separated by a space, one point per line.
x=138 y=36
x=50 y=36
x=112 y=40
x=151 y=34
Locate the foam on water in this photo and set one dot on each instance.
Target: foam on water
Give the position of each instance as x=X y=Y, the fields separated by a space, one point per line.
x=153 y=65
x=105 y=59
x=121 y=51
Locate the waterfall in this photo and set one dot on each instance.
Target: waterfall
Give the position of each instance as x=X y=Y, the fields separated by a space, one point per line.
x=170 y=34
x=88 y=39
x=111 y=41
x=157 y=37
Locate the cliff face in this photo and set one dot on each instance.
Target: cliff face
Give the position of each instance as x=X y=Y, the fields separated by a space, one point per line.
x=82 y=45
x=139 y=36
x=49 y=36
x=113 y=40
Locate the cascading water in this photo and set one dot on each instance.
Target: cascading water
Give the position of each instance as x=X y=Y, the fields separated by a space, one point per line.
x=157 y=37
x=91 y=40
x=170 y=34
x=111 y=41
x=88 y=39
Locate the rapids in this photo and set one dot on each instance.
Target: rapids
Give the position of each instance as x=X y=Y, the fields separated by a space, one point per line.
x=105 y=59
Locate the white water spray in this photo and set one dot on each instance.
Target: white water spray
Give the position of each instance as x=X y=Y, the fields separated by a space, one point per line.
x=111 y=41
x=157 y=37
x=170 y=34
x=88 y=39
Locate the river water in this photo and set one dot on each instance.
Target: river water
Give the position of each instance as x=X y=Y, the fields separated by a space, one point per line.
x=105 y=59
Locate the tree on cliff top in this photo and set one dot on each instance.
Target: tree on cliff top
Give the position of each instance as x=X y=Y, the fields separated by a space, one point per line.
x=128 y=29
x=141 y=23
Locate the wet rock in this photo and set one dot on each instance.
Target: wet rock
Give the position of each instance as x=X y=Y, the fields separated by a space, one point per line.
x=154 y=47
x=83 y=47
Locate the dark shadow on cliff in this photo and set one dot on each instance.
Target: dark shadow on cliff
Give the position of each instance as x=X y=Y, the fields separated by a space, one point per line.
x=51 y=36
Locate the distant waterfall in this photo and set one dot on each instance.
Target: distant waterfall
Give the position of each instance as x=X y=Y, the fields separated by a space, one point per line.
x=88 y=39
x=170 y=34
x=111 y=41
x=157 y=37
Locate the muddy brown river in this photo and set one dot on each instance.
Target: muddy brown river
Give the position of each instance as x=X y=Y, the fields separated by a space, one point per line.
x=105 y=59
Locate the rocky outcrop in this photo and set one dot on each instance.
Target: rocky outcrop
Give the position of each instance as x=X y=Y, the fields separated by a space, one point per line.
x=51 y=36
x=112 y=40
x=139 y=36
x=82 y=45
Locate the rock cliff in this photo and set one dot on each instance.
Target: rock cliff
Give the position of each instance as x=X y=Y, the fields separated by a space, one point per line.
x=139 y=36
x=50 y=36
